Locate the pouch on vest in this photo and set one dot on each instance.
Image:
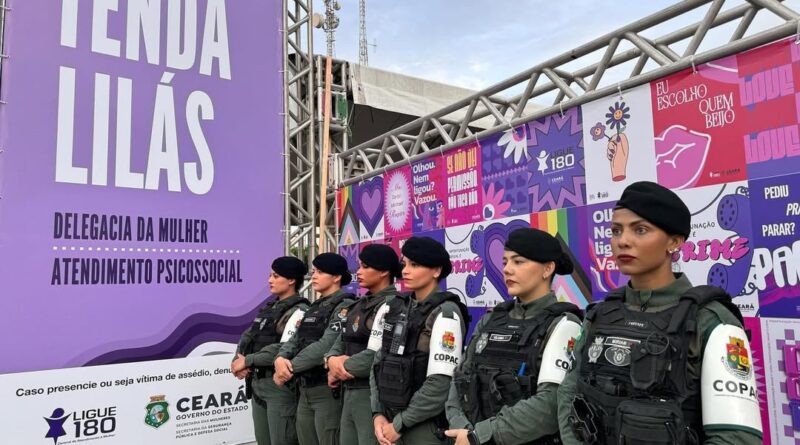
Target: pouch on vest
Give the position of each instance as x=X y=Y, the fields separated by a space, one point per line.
x=394 y=384
x=650 y=422
x=467 y=384
x=504 y=388
x=650 y=361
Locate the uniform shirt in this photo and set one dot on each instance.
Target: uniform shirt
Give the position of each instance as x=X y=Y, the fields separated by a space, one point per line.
x=428 y=401
x=359 y=365
x=708 y=317
x=311 y=356
x=528 y=419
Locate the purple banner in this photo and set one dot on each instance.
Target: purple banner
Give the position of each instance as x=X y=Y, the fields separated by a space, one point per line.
x=557 y=177
x=350 y=253
x=775 y=204
x=368 y=201
x=464 y=202
x=504 y=160
x=603 y=269
x=430 y=192
x=140 y=177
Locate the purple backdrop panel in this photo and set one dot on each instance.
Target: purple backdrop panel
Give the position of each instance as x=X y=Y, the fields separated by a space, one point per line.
x=141 y=178
x=557 y=173
x=776 y=217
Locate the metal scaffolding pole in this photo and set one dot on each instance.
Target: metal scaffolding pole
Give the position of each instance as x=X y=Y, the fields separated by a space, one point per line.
x=300 y=130
x=338 y=139
x=573 y=87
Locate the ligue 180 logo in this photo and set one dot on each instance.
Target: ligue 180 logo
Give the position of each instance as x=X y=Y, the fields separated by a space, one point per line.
x=157 y=411
x=448 y=341
x=89 y=424
x=55 y=424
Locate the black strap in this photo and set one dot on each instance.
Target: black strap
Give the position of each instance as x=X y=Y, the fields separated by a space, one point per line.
x=685 y=318
x=705 y=294
x=561 y=308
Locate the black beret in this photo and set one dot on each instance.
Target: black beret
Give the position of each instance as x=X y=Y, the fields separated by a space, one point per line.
x=429 y=253
x=381 y=257
x=658 y=205
x=289 y=267
x=333 y=264
x=539 y=246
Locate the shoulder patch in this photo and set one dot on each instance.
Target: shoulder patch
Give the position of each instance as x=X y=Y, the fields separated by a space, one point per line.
x=292 y=324
x=728 y=384
x=557 y=356
x=445 y=346
x=376 y=334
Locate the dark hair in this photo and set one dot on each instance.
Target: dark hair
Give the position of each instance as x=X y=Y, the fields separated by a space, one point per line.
x=298 y=283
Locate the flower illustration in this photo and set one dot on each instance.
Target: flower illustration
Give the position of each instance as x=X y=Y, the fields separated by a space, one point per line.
x=598 y=131
x=494 y=207
x=617 y=115
x=516 y=144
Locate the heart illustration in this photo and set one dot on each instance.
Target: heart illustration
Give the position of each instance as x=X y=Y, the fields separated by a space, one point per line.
x=495 y=237
x=370 y=203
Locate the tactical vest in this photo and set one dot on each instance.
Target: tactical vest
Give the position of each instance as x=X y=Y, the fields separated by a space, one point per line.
x=504 y=367
x=313 y=325
x=357 y=331
x=265 y=326
x=633 y=383
x=399 y=375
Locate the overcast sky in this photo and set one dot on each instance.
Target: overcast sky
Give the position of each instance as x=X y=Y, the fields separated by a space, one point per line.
x=476 y=43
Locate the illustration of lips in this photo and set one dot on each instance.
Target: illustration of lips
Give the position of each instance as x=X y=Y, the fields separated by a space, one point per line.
x=723 y=70
x=680 y=156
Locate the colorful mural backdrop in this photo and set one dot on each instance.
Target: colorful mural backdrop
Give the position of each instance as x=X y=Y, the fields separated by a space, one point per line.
x=724 y=135
x=140 y=183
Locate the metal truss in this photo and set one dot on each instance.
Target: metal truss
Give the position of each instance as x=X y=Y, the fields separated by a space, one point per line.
x=572 y=86
x=303 y=93
x=300 y=163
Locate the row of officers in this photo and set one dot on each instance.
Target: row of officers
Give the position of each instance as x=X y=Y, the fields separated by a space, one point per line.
x=658 y=361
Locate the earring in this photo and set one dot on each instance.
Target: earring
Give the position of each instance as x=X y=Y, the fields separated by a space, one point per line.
x=672 y=251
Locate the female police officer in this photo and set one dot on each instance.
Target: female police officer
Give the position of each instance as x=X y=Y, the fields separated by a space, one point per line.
x=504 y=392
x=659 y=361
x=421 y=344
x=302 y=357
x=273 y=407
x=350 y=359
